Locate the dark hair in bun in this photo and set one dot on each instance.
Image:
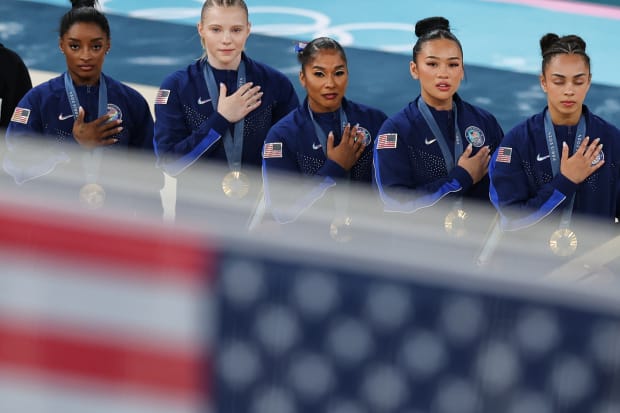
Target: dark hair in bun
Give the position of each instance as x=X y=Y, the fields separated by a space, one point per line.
x=432 y=28
x=551 y=45
x=83 y=11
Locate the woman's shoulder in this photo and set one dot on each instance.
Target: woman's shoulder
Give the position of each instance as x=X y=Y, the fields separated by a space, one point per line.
x=183 y=76
x=124 y=89
x=263 y=70
x=46 y=90
x=476 y=110
x=293 y=121
x=527 y=129
x=598 y=122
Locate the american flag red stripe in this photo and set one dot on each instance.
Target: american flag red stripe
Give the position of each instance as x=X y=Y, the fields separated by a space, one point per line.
x=81 y=237
x=52 y=351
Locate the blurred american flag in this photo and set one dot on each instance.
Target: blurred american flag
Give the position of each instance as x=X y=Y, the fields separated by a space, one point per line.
x=102 y=316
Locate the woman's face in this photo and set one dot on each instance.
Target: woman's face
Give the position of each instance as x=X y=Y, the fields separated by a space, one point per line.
x=440 y=70
x=566 y=82
x=224 y=31
x=325 y=79
x=84 y=46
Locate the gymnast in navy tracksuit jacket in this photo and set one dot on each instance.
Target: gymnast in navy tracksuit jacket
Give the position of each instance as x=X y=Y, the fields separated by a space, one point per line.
x=562 y=153
x=327 y=137
x=438 y=146
x=81 y=112
x=219 y=109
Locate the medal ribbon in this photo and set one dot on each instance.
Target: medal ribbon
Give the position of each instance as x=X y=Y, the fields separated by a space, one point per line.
x=341 y=198
x=91 y=159
x=233 y=145
x=441 y=140
x=554 y=157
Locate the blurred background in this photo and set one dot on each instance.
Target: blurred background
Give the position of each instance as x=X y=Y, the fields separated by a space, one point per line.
x=118 y=310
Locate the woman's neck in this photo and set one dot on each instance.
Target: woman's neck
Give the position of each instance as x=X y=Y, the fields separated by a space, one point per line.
x=233 y=65
x=564 y=119
x=437 y=104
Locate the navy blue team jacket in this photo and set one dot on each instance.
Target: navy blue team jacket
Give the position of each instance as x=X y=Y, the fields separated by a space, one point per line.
x=524 y=189
x=45 y=112
x=188 y=129
x=410 y=170
x=303 y=155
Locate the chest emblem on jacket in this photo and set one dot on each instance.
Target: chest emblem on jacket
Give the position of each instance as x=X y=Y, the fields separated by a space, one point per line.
x=114 y=112
x=367 y=137
x=475 y=136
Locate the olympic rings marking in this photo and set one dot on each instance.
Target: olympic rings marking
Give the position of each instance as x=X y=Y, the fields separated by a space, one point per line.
x=319 y=24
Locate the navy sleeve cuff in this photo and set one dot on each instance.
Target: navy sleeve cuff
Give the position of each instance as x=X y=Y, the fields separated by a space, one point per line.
x=461 y=175
x=217 y=123
x=564 y=185
x=332 y=169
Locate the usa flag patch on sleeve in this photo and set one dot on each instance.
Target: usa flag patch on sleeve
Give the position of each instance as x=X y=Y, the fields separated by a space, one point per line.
x=504 y=154
x=21 y=115
x=272 y=150
x=162 y=96
x=387 y=141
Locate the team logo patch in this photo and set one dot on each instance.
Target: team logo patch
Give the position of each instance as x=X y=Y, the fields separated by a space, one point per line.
x=367 y=136
x=272 y=150
x=504 y=154
x=387 y=141
x=162 y=97
x=598 y=158
x=114 y=112
x=475 y=136
x=21 y=115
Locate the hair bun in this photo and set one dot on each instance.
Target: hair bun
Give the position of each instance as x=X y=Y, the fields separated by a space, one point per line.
x=429 y=24
x=83 y=3
x=547 y=41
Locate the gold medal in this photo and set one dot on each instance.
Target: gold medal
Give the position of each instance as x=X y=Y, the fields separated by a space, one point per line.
x=235 y=185
x=340 y=229
x=563 y=242
x=92 y=196
x=455 y=222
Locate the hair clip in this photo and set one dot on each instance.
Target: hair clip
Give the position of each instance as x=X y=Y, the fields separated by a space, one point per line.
x=300 y=46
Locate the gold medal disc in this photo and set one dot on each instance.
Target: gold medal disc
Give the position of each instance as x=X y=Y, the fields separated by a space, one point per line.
x=235 y=185
x=455 y=223
x=92 y=196
x=563 y=242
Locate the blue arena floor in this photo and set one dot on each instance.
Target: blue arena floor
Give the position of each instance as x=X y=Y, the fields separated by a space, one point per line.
x=499 y=37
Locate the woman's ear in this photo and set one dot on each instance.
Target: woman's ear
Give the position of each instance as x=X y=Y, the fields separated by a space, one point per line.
x=302 y=79
x=413 y=69
x=543 y=83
